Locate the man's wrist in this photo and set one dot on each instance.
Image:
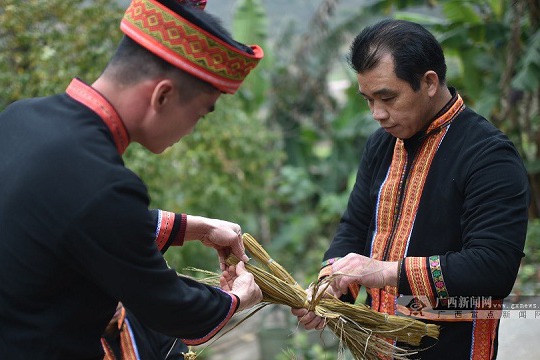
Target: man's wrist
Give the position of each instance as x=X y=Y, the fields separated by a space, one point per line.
x=196 y=227
x=393 y=271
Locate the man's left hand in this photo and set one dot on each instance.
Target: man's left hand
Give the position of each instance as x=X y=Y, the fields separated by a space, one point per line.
x=224 y=236
x=371 y=273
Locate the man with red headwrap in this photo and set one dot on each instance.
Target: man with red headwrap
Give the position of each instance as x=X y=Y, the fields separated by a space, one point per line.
x=76 y=234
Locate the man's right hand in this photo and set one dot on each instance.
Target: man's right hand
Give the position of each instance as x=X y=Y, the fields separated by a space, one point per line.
x=307 y=318
x=238 y=281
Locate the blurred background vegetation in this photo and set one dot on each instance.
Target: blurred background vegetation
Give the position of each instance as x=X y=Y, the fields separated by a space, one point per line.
x=280 y=156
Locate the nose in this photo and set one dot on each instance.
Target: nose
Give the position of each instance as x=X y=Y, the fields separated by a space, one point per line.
x=378 y=111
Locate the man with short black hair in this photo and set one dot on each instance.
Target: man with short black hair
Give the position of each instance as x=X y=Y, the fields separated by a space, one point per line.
x=439 y=209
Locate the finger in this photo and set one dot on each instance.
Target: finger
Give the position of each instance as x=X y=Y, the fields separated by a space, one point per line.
x=336 y=291
x=343 y=285
x=222 y=255
x=223 y=284
x=241 y=241
x=316 y=323
x=306 y=318
x=334 y=286
x=228 y=273
x=338 y=266
x=240 y=268
x=322 y=324
x=311 y=321
x=299 y=312
x=237 y=249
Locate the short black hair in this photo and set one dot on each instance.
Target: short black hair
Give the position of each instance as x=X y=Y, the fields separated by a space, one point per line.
x=133 y=63
x=413 y=48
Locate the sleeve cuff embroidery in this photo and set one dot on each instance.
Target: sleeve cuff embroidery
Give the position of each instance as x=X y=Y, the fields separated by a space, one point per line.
x=326 y=268
x=170 y=229
x=325 y=271
x=354 y=290
x=438 y=279
x=419 y=277
x=329 y=262
x=180 y=236
x=165 y=223
x=235 y=303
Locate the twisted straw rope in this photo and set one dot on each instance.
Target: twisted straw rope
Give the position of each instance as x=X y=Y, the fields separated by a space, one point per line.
x=366 y=333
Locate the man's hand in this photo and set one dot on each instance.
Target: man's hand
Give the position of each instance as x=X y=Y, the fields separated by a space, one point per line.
x=238 y=281
x=308 y=318
x=224 y=236
x=371 y=273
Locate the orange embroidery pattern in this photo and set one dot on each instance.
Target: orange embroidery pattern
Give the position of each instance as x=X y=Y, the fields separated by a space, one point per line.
x=165 y=225
x=418 y=275
x=394 y=229
x=484 y=334
x=92 y=99
x=186 y=45
x=126 y=343
x=388 y=199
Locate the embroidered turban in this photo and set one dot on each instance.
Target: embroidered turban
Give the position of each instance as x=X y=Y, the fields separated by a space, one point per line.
x=175 y=31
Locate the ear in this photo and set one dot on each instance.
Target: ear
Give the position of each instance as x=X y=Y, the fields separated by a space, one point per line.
x=162 y=96
x=431 y=80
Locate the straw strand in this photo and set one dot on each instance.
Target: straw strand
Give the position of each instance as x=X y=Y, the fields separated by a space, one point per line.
x=368 y=334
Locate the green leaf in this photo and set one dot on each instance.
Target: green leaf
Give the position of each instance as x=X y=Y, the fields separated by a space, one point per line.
x=459 y=11
x=528 y=76
x=419 y=18
x=250 y=27
x=250 y=22
x=498 y=7
x=472 y=78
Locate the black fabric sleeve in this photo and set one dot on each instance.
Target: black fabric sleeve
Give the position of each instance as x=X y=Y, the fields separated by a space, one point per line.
x=403 y=284
x=112 y=243
x=494 y=224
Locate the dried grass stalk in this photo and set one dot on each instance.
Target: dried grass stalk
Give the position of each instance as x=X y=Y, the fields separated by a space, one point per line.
x=366 y=333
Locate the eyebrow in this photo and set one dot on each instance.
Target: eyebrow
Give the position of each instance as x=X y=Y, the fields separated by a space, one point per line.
x=380 y=92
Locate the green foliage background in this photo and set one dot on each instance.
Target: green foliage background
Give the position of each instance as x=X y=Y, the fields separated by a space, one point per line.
x=280 y=156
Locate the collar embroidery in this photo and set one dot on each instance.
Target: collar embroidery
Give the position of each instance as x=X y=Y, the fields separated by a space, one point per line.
x=448 y=113
x=89 y=97
x=394 y=227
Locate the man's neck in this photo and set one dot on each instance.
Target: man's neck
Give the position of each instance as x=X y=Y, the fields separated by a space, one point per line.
x=441 y=99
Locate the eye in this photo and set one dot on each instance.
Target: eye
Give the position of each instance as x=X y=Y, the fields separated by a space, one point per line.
x=388 y=99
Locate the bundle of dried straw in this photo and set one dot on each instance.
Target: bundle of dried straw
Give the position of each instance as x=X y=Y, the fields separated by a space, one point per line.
x=366 y=333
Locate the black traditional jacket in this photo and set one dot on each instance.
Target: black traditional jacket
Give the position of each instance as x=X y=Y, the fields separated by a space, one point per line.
x=451 y=204
x=76 y=236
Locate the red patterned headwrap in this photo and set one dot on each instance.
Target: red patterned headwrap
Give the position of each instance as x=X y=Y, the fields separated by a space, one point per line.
x=214 y=58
